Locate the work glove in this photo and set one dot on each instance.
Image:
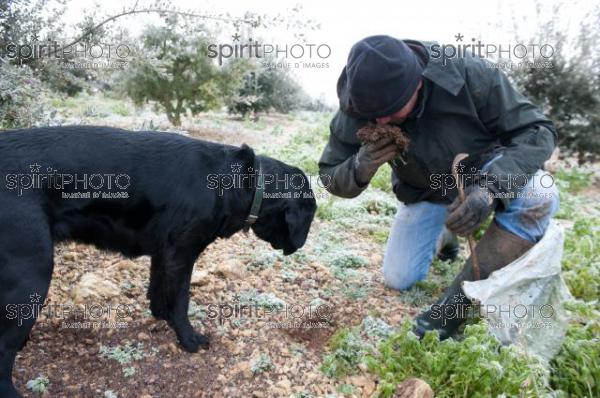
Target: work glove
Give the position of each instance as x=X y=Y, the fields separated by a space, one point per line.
x=371 y=156
x=464 y=218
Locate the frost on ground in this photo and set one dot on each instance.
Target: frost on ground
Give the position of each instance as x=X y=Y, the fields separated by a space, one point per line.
x=316 y=315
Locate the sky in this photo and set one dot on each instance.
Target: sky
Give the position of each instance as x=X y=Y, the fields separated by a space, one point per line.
x=344 y=23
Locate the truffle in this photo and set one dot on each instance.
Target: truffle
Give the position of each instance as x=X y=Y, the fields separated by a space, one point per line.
x=375 y=132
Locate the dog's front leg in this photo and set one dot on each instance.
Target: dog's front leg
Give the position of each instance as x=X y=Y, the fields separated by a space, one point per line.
x=178 y=274
x=157 y=293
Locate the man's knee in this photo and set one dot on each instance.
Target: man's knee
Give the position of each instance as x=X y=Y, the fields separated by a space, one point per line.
x=403 y=276
x=529 y=214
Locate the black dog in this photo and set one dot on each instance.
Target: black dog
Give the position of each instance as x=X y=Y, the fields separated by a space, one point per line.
x=137 y=193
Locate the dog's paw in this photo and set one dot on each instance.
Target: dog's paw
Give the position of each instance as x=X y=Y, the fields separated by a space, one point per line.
x=194 y=341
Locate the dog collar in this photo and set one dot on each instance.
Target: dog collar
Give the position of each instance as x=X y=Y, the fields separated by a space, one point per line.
x=257 y=201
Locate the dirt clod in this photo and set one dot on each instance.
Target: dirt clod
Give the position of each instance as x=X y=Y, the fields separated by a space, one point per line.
x=375 y=132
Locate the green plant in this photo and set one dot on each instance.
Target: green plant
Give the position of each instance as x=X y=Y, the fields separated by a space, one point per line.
x=478 y=366
x=39 y=385
x=345 y=389
x=376 y=328
x=261 y=363
x=22 y=94
x=349 y=261
x=124 y=355
x=121 y=109
x=576 y=370
x=265 y=300
x=129 y=371
x=265 y=260
x=573 y=180
x=581 y=258
x=383 y=179
x=568 y=91
x=288 y=275
x=257 y=89
x=175 y=73
x=110 y=394
x=346 y=351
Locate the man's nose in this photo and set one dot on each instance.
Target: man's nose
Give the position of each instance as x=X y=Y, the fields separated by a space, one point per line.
x=383 y=120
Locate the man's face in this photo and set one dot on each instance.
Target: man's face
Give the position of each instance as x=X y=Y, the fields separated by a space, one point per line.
x=400 y=116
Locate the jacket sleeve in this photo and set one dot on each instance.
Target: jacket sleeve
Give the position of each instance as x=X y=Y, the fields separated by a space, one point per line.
x=336 y=166
x=526 y=135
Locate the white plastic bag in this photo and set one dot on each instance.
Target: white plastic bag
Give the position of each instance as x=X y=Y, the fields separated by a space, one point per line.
x=523 y=302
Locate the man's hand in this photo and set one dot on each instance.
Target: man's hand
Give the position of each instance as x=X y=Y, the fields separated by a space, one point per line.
x=466 y=217
x=371 y=156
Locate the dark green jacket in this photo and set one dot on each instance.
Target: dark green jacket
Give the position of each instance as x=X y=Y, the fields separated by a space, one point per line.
x=466 y=106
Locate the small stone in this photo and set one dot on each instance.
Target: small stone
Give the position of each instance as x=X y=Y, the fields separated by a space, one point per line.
x=376 y=259
x=143 y=336
x=200 y=277
x=284 y=386
x=93 y=286
x=413 y=388
x=126 y=264
x=173 y=348
x=230 y=269
x=70 y=256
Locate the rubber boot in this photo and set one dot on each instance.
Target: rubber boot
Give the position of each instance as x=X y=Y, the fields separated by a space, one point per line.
x=496 y=249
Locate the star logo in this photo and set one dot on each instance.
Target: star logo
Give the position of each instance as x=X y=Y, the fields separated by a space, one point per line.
x=460 y=167
x=35 y=37
x=236 y=167
x=236 y=298
x=459 y=37
x=236 y=37
x=35 y=298
x=459 y=297
x=35 y=168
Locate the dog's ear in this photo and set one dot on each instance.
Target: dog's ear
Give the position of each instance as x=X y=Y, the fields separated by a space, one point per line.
x=244 y=155
x=298 y=217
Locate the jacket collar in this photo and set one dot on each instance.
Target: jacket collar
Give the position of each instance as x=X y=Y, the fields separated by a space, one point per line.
x=446 y=76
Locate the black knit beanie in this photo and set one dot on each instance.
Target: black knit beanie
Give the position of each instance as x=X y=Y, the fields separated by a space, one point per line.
x=381 y=75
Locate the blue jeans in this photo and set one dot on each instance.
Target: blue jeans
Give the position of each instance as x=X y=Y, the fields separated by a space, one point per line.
x=417 y=230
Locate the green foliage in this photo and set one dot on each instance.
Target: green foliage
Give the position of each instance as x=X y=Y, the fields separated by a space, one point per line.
x=254 y=88
x=581 y=258
x=121 y=109
x=265 y=260
x=576 y=369
x=346 y=351
x=38 y=385
x=265 y=300
x=478 y=366
x=574 y=180
x=376 y=327
x=22 y=96
x=349 y=261
x=383 y=179
x=174 y=73
x=261 y=363
x=569 y=91
x=124 y=355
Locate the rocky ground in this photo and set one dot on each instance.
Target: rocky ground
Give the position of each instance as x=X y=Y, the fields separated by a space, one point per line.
x=129 y=354
x=121 y=351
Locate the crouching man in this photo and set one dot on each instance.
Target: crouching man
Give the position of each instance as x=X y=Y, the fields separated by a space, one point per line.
x=459 y=105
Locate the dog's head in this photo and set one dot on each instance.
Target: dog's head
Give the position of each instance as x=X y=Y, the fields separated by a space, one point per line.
x=288 y=206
